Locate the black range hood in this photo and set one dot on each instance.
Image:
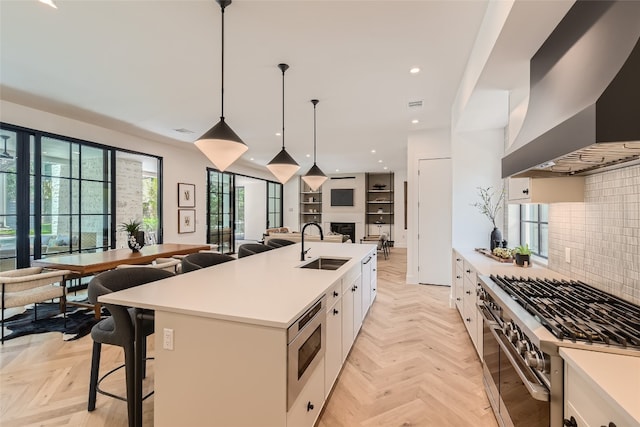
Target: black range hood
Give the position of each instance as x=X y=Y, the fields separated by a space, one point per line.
x=586 y=76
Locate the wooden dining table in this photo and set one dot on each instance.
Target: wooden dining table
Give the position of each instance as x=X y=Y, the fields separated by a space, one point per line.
x=89 y=263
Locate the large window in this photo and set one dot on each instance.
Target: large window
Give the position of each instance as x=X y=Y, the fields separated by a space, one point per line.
x=61 y=195
x=534 y=228
x=274 y=208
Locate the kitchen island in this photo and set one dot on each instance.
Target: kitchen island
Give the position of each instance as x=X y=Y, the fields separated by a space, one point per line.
x=221 y=340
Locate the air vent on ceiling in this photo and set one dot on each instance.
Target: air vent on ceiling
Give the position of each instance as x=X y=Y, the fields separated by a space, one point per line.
x=343 y=177
x=183 y=130
x=415 y=104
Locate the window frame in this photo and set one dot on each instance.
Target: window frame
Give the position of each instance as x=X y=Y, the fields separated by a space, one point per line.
x=538 y=224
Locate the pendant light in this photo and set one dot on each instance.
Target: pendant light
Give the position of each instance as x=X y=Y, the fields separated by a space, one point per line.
x=315 y=177
x=282 y=166
x=220 y=144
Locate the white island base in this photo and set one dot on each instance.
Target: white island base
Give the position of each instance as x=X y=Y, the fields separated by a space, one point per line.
x=228 y=363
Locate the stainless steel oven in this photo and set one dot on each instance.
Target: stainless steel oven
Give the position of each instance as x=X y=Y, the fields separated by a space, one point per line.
x=517 y=395
x=306 y=346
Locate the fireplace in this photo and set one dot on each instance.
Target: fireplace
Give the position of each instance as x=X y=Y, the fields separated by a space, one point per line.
x=347 y=228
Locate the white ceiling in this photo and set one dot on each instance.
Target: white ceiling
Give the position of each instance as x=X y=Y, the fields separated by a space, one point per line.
x=148 y=67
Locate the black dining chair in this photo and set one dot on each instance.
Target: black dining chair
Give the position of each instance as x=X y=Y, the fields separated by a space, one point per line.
x=119 y=328
x=251 y=249
x=278 y=243
x=200 y=260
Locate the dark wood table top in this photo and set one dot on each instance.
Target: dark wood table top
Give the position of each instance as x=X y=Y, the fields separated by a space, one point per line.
x=85 y=264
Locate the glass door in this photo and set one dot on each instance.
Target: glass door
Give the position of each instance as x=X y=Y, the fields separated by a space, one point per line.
x=8 y=201
x=220 y=221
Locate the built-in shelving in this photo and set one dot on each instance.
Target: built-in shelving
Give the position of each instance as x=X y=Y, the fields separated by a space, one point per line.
x=310 y=204
x=379 y=204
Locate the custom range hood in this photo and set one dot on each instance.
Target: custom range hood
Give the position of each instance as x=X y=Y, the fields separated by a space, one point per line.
x=584 y=102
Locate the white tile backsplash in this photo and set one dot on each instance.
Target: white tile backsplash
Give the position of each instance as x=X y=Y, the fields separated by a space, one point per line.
x=603 y=234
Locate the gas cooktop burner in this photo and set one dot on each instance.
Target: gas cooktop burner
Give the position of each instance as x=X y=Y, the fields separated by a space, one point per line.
x=576 y=311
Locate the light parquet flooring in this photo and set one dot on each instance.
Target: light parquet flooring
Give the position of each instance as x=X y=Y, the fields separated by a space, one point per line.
x=412 y=364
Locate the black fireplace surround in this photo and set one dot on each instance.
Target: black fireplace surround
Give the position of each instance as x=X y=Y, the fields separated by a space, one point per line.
x=346 y=228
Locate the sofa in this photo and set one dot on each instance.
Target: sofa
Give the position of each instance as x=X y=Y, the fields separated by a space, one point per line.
x=295 y=236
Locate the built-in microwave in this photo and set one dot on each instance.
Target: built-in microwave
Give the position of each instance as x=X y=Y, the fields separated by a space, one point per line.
x=306 y=339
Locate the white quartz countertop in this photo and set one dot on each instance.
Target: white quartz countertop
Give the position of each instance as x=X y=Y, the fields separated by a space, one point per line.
x=486 y=266
x=616 y=377
x=265 y=288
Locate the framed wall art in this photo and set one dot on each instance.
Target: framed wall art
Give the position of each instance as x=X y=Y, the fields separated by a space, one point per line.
x=186 y=220
x=186 y=195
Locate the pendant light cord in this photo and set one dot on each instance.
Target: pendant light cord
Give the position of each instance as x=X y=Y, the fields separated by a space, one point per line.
x=315 y=102
x=222 y=6
x=283 y=67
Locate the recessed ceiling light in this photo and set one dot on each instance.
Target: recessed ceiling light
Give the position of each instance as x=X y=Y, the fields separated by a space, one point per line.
x=373 y=151
x=278 y=134
x=379 y=161
x=308 y=155
x=415 y=121
x=337 y=170
x=251 y=159
x=385 y=168
x=49 y=3
x=414 y=70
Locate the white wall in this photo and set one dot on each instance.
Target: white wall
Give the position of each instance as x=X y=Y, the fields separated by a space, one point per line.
x=476 y=163
x=182 y=162
x=430 y=144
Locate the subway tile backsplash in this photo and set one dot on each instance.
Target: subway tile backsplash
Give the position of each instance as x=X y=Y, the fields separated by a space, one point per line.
x=603 y=234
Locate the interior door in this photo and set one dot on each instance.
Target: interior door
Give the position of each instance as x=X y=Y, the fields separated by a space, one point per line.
x=434 y=221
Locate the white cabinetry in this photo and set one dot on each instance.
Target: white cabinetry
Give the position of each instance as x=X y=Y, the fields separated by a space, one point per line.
x=374 y=276
x=464 y=294
x=368 y=276
x=333 y=354
x=607 y=392
x=546 y=190
x=307 y=406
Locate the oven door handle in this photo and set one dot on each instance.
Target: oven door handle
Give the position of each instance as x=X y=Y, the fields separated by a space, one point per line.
x=486 y=316
x=537 y=391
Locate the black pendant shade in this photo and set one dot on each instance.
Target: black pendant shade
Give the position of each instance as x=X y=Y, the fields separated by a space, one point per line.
x=315 y=177
x=221 y=144
x=282 y=166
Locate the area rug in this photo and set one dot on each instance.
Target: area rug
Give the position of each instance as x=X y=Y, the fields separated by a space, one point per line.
x=80 y=320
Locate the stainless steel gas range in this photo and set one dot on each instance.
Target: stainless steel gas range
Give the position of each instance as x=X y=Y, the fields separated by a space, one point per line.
x=525 y=322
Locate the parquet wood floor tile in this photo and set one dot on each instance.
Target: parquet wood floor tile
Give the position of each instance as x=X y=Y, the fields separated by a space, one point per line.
x=412 y=364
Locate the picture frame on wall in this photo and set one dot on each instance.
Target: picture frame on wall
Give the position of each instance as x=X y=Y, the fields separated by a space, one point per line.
x=186 y=195
x=186 y=221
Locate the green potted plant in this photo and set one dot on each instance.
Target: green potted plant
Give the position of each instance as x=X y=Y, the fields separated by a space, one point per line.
x=135 y=236
x=522 y=255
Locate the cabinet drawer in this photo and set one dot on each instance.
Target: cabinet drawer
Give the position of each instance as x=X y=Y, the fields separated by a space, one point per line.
x=334 y=293
x=349 y=277
x=469 y=271
x=308 y=404
x=458 y=261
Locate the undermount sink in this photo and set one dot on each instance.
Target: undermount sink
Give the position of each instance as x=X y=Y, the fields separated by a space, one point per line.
x=323 y=263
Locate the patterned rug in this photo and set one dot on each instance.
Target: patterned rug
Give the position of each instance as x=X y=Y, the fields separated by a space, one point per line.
x=80 y=320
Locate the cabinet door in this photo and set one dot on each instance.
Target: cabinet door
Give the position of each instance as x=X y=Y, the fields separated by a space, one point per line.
x=347 y=322
x=518 y=190
x=357 y=306
x=366 y=285
x=374 y=277
x=333 y=354
x=470 y=311
x=308 y=404
x=458 y=293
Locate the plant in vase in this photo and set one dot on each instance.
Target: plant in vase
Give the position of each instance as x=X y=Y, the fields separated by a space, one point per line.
x=489 y=206
x=135 y=236
x=522 y=255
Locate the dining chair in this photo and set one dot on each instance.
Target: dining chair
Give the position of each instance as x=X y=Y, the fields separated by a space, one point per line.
x=249 y=249
x=118 y=329
x=30 y=286
x=200 y=260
